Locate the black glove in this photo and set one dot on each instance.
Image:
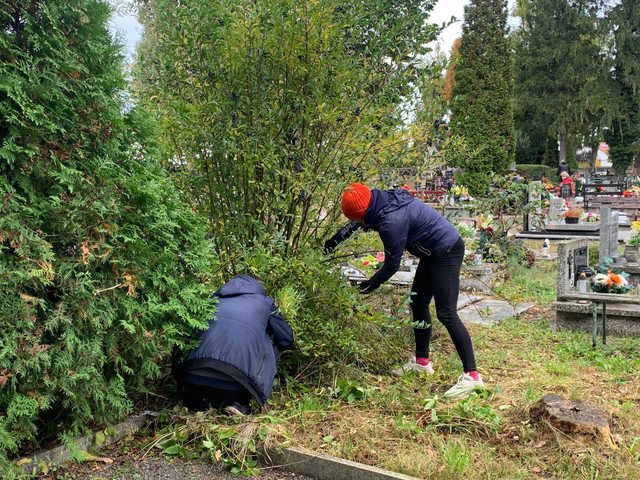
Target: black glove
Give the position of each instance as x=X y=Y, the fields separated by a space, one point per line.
x=365 y=287
x=329 y=246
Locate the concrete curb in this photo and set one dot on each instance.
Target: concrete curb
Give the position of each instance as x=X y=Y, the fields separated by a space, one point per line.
x=293 y=459
x=326 y=467
x=42 y=461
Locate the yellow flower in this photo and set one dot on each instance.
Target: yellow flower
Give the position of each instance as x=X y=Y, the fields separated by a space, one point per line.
x=635 y=226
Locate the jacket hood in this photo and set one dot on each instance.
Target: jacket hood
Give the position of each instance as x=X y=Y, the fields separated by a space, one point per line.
x=240 y=285
x=385 y=201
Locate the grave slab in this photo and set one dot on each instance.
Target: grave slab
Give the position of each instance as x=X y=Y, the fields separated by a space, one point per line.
x=623 y=319
x=465 y=299
x=575 y=227
x=490 y=312
x=477 y=278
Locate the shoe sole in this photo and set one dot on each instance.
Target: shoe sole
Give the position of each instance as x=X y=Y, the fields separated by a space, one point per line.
x=402 y=373
x=233 y=411
x=465 y=394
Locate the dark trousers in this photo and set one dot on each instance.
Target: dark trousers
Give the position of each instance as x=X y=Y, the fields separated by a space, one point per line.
x=438 y=277
x=199 y=397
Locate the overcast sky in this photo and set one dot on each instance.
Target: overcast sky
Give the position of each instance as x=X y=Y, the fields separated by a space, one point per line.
x=125 y=25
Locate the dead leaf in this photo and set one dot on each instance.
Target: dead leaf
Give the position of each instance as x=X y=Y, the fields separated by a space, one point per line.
x=28 y=298
x=87 y=457
x=218 y=455
x=85 y=252
x=536 y=470
x=541 y=443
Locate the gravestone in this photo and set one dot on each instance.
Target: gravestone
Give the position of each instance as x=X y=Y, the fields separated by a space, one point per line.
x=556 y=208
x=580 y=262
x=574 y=308
x=567 y=268
x=565 y=191
x=608 y=234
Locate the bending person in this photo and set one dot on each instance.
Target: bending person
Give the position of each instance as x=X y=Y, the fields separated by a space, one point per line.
x=236 y=359
x=406 y=223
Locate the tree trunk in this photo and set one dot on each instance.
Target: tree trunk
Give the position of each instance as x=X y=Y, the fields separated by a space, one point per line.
x=594 y=155
x=563 y=144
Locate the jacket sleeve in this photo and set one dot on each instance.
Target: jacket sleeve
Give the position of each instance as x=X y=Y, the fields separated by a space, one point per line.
x=280 y=329
x=342 y=234
x=394 y=238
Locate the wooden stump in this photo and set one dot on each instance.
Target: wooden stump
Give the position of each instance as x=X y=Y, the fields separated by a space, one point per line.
x=574 y=417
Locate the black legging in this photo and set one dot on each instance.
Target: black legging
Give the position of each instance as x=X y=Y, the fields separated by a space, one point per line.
x=199 y=397
x=439 y=277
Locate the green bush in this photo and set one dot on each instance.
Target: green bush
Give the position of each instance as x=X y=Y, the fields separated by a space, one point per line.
x=330 y=319
x=274 y=106
x=102 y=267
x=536 y=172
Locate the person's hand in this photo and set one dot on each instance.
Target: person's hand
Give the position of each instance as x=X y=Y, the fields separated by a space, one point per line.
x=365 y=287
x=329 y=246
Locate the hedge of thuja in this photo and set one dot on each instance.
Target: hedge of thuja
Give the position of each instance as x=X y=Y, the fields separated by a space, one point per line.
x=102 y=267
x=536 y=172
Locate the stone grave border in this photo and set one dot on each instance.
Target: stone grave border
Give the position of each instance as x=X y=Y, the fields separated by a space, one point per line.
x=291 y=459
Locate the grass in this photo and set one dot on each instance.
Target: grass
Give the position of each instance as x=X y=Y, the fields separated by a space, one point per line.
x=404 y=424
x=536 y=284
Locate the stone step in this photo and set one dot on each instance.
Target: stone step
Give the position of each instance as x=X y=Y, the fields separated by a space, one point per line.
x=465 y=299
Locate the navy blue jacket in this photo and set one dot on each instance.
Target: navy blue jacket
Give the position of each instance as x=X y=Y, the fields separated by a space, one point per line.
x=237 y=343
x=404 y=223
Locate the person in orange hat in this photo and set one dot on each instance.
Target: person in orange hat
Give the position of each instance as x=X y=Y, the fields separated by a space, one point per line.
x=406 y=223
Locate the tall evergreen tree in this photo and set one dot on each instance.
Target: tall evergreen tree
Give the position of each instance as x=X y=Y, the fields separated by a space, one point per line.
x=623 y=136
x=560 y=66
x=482 y=103
x=102 y=267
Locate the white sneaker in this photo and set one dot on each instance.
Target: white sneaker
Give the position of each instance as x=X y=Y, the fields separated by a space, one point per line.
x=465 y=385
x=412 y=365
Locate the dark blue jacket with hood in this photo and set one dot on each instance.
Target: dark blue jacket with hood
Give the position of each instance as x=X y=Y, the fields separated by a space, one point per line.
x=237 y=345
x=404 y=223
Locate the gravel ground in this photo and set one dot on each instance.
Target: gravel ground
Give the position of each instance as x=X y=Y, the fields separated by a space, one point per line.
x=127 y=464
x=160 y=468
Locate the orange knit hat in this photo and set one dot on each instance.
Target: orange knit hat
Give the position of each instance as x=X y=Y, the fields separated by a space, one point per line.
x=355 y=201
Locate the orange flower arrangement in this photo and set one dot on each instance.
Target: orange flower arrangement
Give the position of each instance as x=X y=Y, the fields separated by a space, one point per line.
x=611 y=283
x=614 y=279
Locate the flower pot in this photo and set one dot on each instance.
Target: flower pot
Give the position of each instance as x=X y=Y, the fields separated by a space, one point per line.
x=571 y=220
x=631 y=253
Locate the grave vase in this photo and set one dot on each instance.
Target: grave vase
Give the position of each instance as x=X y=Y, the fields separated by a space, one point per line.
x=582 y=285
x=571 y=220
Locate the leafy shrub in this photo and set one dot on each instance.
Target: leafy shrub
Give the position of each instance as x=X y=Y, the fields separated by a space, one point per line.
x=329 y=318
x=536 y=172
x=102 y=267
x=275 y=106
x=499 y=213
